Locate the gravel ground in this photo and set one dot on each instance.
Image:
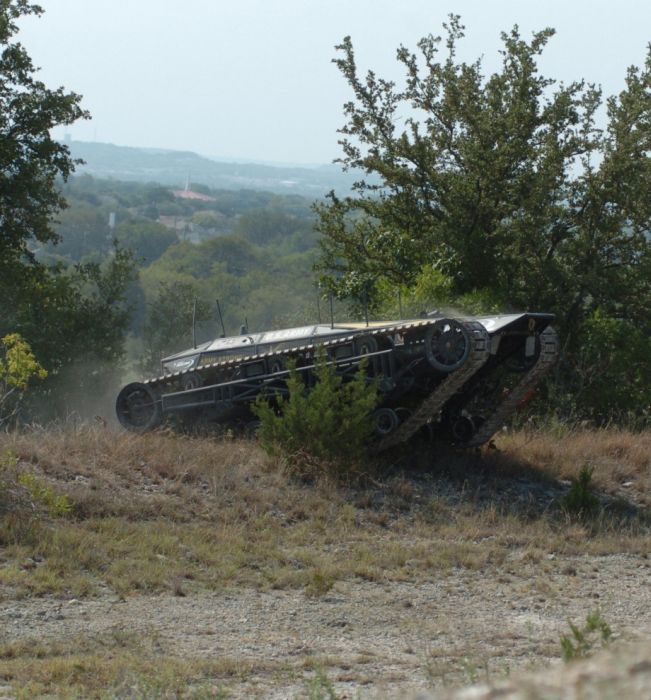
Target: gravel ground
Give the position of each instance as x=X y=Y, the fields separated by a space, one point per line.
x=372 y=639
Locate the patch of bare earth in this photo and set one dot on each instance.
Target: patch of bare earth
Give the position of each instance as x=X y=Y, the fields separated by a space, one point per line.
x=197 y=568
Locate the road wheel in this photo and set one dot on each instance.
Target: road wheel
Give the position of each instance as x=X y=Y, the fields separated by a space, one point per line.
x=138 y=407
x=447 y=345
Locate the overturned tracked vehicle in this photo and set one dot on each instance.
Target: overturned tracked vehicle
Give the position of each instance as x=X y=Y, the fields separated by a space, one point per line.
x=458 y=378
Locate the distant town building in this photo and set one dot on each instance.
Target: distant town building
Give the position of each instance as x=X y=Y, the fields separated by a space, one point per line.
x=189 y=194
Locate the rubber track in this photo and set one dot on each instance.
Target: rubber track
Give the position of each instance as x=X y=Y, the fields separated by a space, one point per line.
x=432 y=405
x=235 y=361
x=546 y=359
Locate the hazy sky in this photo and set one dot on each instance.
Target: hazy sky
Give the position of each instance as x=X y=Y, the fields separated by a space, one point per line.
x=253 y=79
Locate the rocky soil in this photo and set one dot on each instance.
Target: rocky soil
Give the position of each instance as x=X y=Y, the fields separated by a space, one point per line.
x=371 y=640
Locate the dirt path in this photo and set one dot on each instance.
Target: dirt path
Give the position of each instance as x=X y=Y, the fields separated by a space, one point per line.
x=388 y=639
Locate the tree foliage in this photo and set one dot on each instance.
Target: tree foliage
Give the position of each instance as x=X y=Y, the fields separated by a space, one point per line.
x=168 y=327
x=30 y=160
x=67 y=314
x=18 y=367
x=147 y=239
x=502 y=187
x=323 y=431
x=502 y=183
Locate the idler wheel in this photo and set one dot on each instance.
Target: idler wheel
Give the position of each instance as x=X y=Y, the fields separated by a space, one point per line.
x=277 y=364
x=365 y=345
x=138 y=408
x=192 y=380
x=447 y=345
x=463 y=429
x=386 y=420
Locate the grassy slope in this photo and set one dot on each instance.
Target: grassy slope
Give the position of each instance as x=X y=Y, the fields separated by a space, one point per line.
x=164 y=513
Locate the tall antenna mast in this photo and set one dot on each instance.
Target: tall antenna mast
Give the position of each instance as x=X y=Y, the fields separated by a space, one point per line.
x=194 y=327
x=221 y=318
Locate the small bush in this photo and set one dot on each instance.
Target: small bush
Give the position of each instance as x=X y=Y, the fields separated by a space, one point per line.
x=56 y=505
x=321 y=688
x=25 y=501
x=325 y=429
x=580 y=499
x=319 y=584
x=580 y=642
x=18 y=367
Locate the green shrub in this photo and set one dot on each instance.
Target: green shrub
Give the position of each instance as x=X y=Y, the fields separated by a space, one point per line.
x=580 y=499
x=25 y=501
x=56 y=505
x=18 y=367
x=321 y=430
x=580 y=642
x=321 y=688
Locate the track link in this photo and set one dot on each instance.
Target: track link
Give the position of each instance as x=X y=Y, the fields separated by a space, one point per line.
x=431 y=406
x=546 y=360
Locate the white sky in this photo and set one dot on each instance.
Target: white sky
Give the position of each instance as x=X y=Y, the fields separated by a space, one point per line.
x=253 y=79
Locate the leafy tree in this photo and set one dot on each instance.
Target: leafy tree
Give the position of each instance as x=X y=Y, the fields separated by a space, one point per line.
x=67 y=315
x=210 y=221
x=231 y=253
x=30 y=160
x=147 y=239
x=261 y=226
x=502 y=187
x=82 y=231
x=499 y=183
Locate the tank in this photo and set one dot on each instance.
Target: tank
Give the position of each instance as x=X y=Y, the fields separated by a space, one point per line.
x=456 y=378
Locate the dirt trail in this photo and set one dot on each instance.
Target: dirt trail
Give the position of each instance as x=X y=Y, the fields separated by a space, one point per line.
x=371 y=639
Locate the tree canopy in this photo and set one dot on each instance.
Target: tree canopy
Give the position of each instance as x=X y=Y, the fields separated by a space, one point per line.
x=66 y=314
x=507 y=192
x=505 y=185
x=30 y=160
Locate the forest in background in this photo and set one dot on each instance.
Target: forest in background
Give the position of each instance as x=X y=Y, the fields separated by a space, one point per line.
x=252 y=251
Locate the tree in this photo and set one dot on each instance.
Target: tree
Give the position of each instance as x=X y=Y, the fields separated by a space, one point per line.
x=501 y=188
x=67 y=315
x=147 y=239
x=499 y=183
x=30 y=160
x=262 y=226
x=82 y=231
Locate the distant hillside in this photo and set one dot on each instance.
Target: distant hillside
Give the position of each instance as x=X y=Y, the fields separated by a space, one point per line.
x=174 y=167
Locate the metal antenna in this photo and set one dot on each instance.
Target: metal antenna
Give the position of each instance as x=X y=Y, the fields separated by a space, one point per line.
x=221 y=318
x=366 y=307
x=194 y=326
x=332 y=313
x=318 y=305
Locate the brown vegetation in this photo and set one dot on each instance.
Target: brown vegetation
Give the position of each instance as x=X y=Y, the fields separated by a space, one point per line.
x=171 y=515
x=160 y=511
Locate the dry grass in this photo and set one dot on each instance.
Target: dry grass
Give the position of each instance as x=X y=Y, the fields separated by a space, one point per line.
x=621 y=459
x=167 y=513
x=164 y=512
x=118 y=665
